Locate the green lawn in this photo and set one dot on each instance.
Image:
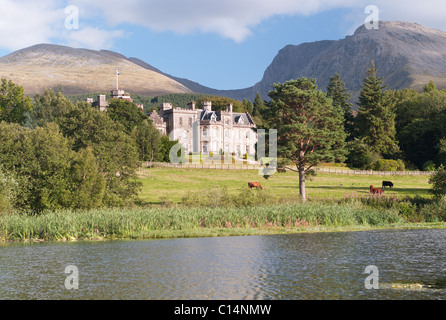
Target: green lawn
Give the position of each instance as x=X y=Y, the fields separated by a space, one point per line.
x=173 y=184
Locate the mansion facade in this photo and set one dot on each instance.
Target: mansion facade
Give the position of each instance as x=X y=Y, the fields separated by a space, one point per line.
x=204 y=131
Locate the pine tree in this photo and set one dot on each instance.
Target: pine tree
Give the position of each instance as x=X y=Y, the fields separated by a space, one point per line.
x=376 y=115
x=309 y=128
x=337 y=91
x=258 y=105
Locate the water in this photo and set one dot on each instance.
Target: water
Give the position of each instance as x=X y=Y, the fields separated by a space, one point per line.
x=411 y=265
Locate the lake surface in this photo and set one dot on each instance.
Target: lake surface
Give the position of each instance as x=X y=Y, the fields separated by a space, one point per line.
x=411 y=265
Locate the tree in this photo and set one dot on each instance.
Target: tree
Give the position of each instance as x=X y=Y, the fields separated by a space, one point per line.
x=376 y=115
x=166 y=146
x=337 y=91
x=114 y=149
x=421 y=127
x=14 y=106
x=88 y=184
x=49 y=107
x=249 y=107
x=125 y=112
x=309 y=128
x=148 y=140
x=430 y=87
x=438 y=181
x=47 y=173
x=258 y=105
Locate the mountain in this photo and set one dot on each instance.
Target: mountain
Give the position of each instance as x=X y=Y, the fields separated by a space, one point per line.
x=407 y=55
x=79 y=71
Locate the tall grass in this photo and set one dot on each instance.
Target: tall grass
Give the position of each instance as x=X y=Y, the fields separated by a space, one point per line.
x=140 y=223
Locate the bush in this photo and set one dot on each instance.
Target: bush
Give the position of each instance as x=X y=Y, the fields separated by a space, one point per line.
x=8 y=188
x=436 y=211
x=359 y=154
x=429 y=166
x=388 y=165
x=438 y=180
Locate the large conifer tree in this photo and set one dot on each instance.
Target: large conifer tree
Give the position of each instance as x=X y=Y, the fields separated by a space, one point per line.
x=376 y=115
x=309 y=128
x=337 y=91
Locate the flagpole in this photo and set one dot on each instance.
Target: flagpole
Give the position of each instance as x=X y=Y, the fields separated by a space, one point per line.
x=117 y=79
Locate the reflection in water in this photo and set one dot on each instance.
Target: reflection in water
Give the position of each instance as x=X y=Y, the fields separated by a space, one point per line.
x=299 y=266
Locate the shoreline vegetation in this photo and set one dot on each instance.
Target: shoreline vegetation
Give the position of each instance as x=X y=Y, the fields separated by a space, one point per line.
x=168 y=223
x=224 y=210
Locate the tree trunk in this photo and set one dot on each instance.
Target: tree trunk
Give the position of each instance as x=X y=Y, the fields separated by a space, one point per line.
x=301 y=169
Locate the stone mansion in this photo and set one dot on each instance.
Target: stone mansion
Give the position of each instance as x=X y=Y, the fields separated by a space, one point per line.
x=203 y=130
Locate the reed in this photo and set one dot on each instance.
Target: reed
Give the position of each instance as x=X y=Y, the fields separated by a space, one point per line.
x=157 y=222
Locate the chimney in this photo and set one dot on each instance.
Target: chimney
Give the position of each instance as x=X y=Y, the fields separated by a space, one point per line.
x=229 y=108
x=191 y=105
x=207 y=106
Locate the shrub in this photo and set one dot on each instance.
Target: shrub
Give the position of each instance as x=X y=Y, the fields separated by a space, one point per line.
x=438 y=180
x=388 y=165
x=429 y=166
x=436 y=211
x=8 y=188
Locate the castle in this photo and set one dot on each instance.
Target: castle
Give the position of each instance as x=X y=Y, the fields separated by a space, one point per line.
x=102 y=102
x=198 y=130
x=204 y=131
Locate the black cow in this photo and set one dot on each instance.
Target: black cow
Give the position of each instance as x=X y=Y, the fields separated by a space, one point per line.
x=387 y=184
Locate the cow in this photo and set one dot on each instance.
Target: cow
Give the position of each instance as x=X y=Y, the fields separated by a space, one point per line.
x=387 y=184
x=376 y=190
x=254 y=185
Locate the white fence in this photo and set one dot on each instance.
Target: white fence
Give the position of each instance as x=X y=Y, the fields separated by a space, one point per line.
x=374 y=173
x=222 y=166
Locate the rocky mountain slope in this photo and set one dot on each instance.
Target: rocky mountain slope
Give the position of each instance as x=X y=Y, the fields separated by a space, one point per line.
x=407 y=55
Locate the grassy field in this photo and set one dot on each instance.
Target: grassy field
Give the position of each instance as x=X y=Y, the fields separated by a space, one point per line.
x=160 y=184
x=202 y=203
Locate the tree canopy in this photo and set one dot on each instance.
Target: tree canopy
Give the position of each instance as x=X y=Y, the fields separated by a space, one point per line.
x=309 y=127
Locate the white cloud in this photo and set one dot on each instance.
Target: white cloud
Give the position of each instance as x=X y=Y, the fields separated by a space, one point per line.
x=236 y=19
x=27 y=22
x=92 y=38
x=232 y=19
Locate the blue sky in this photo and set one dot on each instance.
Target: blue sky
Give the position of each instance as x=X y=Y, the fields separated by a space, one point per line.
x=221 y=44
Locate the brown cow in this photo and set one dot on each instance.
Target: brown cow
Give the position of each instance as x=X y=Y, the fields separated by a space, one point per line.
x=254 y=185
x=376 y=190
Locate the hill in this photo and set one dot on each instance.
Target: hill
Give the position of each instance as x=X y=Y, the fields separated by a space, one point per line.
x=80 y=71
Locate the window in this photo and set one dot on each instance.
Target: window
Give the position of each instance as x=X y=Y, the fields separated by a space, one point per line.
x=205 y=147
x=190 y=122
x=247 y=134
x=205 y=131
x=181 y=122
x=226 y=133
